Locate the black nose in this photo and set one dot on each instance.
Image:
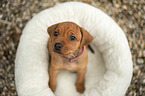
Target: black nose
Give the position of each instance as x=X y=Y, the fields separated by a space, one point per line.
x=58 y=46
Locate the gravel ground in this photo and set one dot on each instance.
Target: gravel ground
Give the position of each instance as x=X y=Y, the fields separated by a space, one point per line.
x=14 y=14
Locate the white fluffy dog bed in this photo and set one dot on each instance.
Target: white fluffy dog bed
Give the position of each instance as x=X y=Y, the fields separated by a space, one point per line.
x=109 y=70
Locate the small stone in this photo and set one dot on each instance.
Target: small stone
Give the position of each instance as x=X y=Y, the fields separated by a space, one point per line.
x=117 y=5
x=124 y=7
x=144 y=80
x=20 y=25
x=140 y=61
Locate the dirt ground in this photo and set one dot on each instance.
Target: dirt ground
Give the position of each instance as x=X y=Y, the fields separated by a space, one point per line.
x=14 y=14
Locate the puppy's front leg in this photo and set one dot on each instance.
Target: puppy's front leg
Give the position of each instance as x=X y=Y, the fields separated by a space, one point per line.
x=80 y=80
x=53 y=74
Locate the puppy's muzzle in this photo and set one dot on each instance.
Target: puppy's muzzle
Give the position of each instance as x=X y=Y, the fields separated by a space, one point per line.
x=58 y=47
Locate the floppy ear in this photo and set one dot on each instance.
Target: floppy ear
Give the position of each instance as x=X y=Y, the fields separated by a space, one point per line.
x=86 y=37
x=51 y=29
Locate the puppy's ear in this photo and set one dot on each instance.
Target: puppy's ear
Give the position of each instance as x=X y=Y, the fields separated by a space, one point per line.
x=86 y=37
x=51 y=29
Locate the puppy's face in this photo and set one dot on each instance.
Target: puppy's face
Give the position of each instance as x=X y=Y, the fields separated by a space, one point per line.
x=66 y=38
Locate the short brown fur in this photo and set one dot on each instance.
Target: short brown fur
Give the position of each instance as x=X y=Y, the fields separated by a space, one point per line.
x=69 y=49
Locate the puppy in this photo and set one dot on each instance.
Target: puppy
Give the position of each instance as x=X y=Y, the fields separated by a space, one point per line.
x=68 y=50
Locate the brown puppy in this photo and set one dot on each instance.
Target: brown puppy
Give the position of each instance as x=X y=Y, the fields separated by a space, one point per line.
x=68 y=51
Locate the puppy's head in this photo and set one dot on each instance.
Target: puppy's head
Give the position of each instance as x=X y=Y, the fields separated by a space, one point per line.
x=67 y=37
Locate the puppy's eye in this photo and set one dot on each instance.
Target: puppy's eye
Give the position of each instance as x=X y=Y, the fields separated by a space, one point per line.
x=55 y=33
x=72 y=38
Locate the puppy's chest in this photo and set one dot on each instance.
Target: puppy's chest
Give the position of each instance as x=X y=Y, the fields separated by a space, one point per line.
x=71 y=66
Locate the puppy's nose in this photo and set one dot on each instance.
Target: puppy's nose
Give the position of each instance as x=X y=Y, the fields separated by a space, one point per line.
x=58 y=46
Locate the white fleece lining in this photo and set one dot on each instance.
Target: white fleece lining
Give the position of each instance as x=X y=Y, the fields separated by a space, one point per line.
x=109 y=70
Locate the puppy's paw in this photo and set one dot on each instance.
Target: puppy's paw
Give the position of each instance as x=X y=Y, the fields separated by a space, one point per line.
x=52 y=86
x=80 y=88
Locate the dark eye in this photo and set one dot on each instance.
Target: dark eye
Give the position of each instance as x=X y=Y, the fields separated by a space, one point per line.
x=72 y=38
x=55 y=33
